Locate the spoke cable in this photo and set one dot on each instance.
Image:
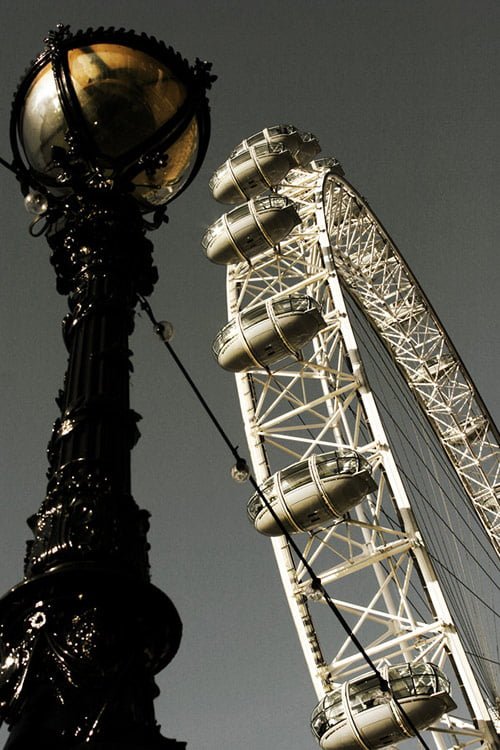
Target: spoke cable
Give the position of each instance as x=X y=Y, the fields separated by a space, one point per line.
x=472 y=623
x=424 y=429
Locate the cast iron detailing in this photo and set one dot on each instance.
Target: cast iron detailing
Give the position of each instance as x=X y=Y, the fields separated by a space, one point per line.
x=85 y=631
x=88 y=672
x=88 y=514
x=100 y=234
x=99 y=679
x=82 y=522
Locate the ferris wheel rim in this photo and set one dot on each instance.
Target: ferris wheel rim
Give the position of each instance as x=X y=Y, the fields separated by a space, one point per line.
x=342 y=180
x=492 y=529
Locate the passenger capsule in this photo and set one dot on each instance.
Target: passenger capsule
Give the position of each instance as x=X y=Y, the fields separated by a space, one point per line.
x=266 y=333
x=262 y=161
x=312 y=492
x=360 y=715
x=303 y=146
x=250 y=229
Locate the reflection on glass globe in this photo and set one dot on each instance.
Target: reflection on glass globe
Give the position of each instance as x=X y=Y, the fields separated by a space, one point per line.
x=167 y=181
x=123 y=96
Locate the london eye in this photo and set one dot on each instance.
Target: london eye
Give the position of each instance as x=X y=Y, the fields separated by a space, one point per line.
x=375 y=457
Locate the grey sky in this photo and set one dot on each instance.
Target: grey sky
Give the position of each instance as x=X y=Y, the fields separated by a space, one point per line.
x=405 y=94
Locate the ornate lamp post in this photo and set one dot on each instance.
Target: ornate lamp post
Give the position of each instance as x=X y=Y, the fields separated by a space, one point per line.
x=107 y=127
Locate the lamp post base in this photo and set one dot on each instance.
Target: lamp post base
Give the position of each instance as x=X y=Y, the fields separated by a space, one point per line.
x=32 y=737
x=80 y=647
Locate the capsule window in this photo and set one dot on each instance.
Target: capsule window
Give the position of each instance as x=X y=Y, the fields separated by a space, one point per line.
x=417 y=680
x=294 y=304
x=425 y=684
x=402 y=687
x=256 y=503
x=329 y=711
x=238 y=213
x=442 y=682
x=271 y=201
x=254 y=507
x=260 y=137
x=215 y=229
x=338 y=463
x=348 y=465
x=281 y=130
x=225 y=336
x=254 y=315
x=217 y=177
x=295 y=476
x=240 y=158
x=365 y=694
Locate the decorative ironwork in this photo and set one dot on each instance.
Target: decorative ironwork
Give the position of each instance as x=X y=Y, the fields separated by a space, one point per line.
x=84 y=633
x=80 y=665
x=80 y=163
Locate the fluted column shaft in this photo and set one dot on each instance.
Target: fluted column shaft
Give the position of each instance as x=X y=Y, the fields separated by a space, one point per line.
x=85 y=631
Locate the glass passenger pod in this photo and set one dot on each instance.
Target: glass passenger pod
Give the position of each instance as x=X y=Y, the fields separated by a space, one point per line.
x=250 y=173
x=360 y=715
x=261 y=162
x=250 y=229
x=303 y=146
x=268 y=332
x=311 y=493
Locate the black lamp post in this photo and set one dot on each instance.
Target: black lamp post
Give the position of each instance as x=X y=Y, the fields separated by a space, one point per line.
x=107 y=127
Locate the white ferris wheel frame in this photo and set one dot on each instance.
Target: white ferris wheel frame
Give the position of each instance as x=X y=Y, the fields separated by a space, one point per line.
x=341 y=239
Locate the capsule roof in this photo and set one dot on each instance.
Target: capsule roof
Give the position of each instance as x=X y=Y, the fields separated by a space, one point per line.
x=261 y=162
x=302 y=146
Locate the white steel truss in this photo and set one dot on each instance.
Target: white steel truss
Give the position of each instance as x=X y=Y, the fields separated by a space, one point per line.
x=374 y=562
x=379 y=279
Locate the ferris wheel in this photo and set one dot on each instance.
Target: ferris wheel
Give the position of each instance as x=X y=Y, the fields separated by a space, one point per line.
x=311 y=274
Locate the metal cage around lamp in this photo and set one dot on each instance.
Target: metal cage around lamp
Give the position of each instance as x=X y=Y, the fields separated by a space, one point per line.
x=109 y=110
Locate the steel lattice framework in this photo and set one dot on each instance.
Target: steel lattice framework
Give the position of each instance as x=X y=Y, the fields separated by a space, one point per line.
x=374 y=563
x=379 y=279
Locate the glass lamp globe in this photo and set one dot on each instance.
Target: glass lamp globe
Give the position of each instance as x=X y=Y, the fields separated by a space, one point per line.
x=117 y=109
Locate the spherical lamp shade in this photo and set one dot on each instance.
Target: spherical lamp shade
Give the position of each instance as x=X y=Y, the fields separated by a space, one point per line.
x=114 y=109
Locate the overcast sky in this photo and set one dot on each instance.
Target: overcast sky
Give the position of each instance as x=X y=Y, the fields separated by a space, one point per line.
x=405 y=94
